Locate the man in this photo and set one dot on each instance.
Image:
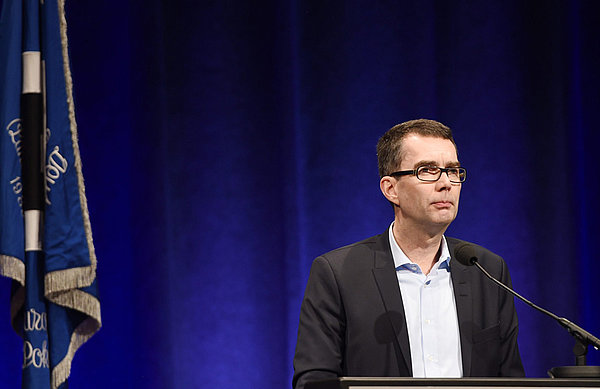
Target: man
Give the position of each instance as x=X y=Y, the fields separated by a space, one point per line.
x=398 y=304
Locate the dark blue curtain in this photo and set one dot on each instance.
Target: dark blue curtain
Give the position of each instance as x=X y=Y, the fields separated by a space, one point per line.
x=225 y=144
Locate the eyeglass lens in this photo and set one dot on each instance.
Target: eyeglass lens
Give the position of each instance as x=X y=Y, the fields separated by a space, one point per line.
x=433 y=173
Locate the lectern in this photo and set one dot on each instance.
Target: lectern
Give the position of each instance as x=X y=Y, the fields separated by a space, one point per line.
x=459 y=383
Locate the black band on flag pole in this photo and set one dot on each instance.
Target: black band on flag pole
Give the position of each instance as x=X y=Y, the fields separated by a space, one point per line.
x=32 y=167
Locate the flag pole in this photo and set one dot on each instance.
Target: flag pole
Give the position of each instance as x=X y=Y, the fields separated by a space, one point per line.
x=36 y=364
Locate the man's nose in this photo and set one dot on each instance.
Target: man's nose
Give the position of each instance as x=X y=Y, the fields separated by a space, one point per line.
x=444 y=182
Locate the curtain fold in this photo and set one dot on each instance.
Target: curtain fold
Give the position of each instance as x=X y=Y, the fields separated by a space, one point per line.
x=227 y=144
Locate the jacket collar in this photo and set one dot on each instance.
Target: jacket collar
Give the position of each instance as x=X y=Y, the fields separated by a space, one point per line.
x=384 y=272
x=463 y=296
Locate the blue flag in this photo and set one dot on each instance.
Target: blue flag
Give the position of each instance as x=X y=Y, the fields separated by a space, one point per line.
x=46 y=249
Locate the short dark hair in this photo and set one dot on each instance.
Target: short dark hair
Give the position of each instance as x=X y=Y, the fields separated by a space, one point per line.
x=390 y=144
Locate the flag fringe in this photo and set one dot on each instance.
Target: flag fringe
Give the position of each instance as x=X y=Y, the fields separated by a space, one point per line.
x=12 y=267
x=80 y=301
x=57 y=282
x=82 y=333
x=64 y=280
x=78 y=168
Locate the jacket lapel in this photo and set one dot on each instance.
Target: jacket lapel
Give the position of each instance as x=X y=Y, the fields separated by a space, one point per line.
x=387 y=283
x=461 y=282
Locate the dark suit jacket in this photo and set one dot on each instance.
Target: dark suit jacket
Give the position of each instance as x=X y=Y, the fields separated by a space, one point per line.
x=352 y=317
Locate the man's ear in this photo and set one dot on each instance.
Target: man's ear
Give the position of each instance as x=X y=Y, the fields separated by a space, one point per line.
x=388 y=188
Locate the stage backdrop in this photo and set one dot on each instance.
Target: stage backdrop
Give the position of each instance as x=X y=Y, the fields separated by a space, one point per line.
x=225 y=144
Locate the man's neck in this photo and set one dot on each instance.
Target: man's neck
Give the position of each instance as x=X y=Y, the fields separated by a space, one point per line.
x=421 y=247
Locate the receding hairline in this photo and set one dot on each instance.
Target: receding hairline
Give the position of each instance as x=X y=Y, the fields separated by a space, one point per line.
x=402 y=153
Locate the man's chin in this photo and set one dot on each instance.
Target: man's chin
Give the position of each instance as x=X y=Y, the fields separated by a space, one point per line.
x=444 y=220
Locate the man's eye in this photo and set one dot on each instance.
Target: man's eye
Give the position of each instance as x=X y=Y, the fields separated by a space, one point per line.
x=430 y=170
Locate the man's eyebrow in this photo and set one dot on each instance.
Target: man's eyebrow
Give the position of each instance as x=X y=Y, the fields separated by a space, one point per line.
x=425 y=163
x=434 y=163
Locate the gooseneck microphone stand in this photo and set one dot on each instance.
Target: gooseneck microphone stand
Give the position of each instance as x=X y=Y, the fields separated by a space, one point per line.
x=465 y=254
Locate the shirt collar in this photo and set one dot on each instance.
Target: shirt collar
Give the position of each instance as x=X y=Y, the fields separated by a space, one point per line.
x=400 y=259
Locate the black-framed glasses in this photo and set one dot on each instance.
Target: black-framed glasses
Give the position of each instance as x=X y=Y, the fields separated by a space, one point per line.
x=456 y=175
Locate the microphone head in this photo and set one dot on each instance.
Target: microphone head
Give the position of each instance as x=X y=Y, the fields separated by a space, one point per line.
x=466 y=254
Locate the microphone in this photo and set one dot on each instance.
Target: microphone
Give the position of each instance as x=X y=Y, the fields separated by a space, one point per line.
x=466 y=254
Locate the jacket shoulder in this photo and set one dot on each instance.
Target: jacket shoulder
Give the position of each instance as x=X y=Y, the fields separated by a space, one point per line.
x=487 y=258
x=359 y=250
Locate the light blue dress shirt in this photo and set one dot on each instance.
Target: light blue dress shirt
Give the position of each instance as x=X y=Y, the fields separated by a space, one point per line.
x=430 y=311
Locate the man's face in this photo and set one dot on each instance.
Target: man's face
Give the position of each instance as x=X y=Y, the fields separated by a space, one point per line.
x=427 y=204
